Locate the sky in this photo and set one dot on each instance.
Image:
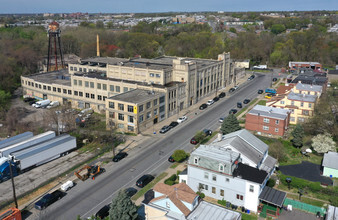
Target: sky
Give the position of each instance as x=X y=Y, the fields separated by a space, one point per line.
x=148 y=6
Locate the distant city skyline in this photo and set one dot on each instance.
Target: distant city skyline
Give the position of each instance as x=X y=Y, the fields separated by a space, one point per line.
x=153 y=6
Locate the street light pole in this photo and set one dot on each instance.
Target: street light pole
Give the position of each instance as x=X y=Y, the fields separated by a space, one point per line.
x=13 y=186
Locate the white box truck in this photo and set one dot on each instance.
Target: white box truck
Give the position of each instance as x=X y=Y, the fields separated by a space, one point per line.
x=41 y=104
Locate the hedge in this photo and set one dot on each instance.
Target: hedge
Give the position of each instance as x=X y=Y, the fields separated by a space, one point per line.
x=171 y=180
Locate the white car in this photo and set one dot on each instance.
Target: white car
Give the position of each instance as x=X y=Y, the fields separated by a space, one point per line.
x=210 y=102
x=182 y=119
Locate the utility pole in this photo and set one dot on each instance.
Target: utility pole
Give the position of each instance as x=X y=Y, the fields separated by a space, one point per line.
x=13 y=186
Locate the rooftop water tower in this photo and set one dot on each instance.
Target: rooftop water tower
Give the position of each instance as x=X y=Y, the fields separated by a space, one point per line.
x=55 y=56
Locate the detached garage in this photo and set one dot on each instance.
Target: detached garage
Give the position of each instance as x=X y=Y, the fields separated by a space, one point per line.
x=330 y=164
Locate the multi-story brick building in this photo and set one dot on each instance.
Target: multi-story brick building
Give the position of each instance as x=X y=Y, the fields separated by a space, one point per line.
x=89 y=82
x=268 y=120
x=310 y=65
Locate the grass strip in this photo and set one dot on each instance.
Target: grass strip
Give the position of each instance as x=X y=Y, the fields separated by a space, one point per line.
x=246 y=107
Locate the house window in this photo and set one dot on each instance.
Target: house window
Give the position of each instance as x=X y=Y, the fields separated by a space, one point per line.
x=292 y=118
x=155 y=102
x=302 y=104
x=277 y=122
x=59 y=90
x=306 y=112
x=240 y=197
x=71 y=68
x=196 y=161
x=140 y=108
x=148 y=115
x=148 y=105
x=98 y=85
x=92 y=96
x=221 y=167
x=140 y=118
x=266 y=120
x=125 y=89
x=292 y=102
x=111 y=114
x=203 y=186
x=80 y=82
x=214 y=178
x=80 y=69
x=155 y=111
x=300 y=119
x=251 y=189
x=81 y=94
x=221 y=192
x=276 y=130
x=162 y=99
x=206 y=175
x=282 y=102
x=310 y=105
x=49 y=88
x=112 y=88
x=213 y=190
x=265 y=128
x=121 y=117
x=87 y=95
x=75 y=68
x=54 y=89
x=130 y=119
x=130 y=108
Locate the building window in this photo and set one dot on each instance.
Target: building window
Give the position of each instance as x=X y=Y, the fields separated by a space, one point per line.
x=64 y=91
x=130 y=119
x=98 y=85
x=162 y=109
x=130 y=128
x=76 y=93
x=214 y=177
x=148 y=105
x=111 y=88
x=44 y=87
x=75 y=82
x=302 y=104
x=130 y=108
x=292 y=111
x=84 y=70
x=86 y=84
x=306 y=112
x=151 y=74
x=121 y=117
x=87 y=95
x=206 y=175
x=213 y=190
x=69 y=92
x=162 y=99
x=81 y=94
x=240 y=197
x=221 y=193
x=155 y=111
x=125 y=89
x=80 y=82
x=71 y=68
x=196 y=160
x=276 y=130
x=310 y=105
x=92 y=96
x=300 y=119
x=277 y=122
x=282 y=102
x=92 y=85
x=148 y=115
x=221 y=167
x=75 y=68
x=54 y=89
x=111 y=114
x=120 y=126
x=266 y=120
x=49 y=88
x=80 y=69
x=112 y=105
x=99 y=97
x=117 y=88
x=251 y=189
x=140 y=108
x=121 y=106
x=140 y=118
x=39 y=86
x=104 y=87
x=203 y=186
x=158 y=76
x=265 y=128
x=155 y=102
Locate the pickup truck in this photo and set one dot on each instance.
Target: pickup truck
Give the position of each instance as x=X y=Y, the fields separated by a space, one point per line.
x=48 y=199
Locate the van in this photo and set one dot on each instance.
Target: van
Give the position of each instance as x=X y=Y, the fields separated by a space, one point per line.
x=41 y=104
x=53 y=104
x=67 y=185
x=86 y=112
x=273 y=91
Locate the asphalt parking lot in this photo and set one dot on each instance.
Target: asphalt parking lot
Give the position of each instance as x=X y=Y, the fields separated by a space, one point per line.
x=306 y=170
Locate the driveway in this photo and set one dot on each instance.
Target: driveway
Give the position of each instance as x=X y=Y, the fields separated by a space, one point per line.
x=296 y=215
x=306 y=170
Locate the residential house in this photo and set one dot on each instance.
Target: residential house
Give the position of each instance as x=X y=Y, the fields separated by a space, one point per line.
x=308 y=89
x=330 y=164
x=300 y=105
x=181 y=202
x=332 y=213
x=268 y=120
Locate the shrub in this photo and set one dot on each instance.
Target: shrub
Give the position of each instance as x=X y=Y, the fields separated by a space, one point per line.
x=222 y=202
x=271 y=183
x=171 y=180
x=202 y=195
x=179 y=155
x=178 y=172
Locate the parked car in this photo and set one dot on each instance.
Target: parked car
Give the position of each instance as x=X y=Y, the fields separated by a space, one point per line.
x=173 y=124
x=119 y=156
x=171 y=159
x=182 y=119
x=210 y=102
x=274 y=79
x=239 y=105
x=48 y=199
x=32 y=102
x=221 y=120
x=215 y=99
x=268 y=90
x=222 y=95
x=246 y=101
x=268 y=96
x=144 y=180
x=251 y=77
x=233 y=111
x=28 y=99
x=193 y=141
x=236 y=87
x=207 y=132
x=232 y=89
x=53 y=104
x=103 y=212
x=203 y=106
x=260 y=91
x=67 y=185
x=130 y=191
x=164 y=129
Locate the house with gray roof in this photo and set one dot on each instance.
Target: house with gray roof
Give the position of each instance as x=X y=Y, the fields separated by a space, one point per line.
x=268 y=120
x=308 y=89
x=330 y=164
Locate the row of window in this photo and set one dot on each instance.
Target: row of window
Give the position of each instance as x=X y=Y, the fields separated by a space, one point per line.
x=130 y=108
x=301 y=104
x=221 y=191
x=267 y=120
x=100 y=86
x=155 y=74
x=266 y=128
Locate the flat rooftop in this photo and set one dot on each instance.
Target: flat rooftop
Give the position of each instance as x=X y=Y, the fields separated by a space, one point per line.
x=269 y=112
x=137 y=96
x=60 y=77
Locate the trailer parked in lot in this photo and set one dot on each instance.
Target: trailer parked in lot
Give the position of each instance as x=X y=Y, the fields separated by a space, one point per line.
x=16 y=139
x=43 y=152
x=4 y=152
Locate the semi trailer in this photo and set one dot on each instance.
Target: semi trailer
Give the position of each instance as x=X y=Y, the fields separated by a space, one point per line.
x=16 y=139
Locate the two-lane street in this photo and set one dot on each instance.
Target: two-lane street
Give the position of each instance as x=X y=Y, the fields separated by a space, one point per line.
x=151 y=157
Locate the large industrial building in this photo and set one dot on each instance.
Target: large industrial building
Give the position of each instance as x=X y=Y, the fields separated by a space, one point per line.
x=133 y=93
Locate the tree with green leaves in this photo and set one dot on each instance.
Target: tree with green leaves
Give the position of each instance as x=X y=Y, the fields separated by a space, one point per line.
x=298 y=134
x=230 y=124
x=122 y=208
x=179 y=155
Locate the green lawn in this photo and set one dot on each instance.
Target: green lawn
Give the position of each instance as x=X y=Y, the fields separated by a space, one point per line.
x=248 y=217
x=262 y=102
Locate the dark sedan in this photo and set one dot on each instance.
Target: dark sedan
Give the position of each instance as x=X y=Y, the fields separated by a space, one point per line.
x=246 y=101
x=171 y=159
x=233 y=111
x=48 y=199
x=164 y=129
x=173 y=124
x=103 y=212
x=260 y=91
x=193 y=141
x=144 y=180
x=222 y=95
x=119 y=156
x=203 y=106
x=232 y=90
x=215 y=99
